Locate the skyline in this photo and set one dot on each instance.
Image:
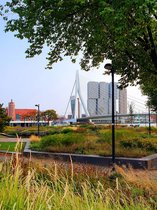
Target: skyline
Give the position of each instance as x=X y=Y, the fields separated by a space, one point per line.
x=27 y=82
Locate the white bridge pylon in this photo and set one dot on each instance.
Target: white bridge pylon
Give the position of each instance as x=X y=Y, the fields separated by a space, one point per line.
x=77 y=97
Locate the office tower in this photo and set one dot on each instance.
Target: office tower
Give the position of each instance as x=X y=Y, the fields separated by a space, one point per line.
x=100 y=99
x=116 y=98
x=92 y=106
x=97 y=103
x=123 y=101
x=93 y=90
x=93 y=95
x=103 y=102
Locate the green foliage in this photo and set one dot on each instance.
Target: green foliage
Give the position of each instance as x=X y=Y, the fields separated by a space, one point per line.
x=123 y=31
x=61 y=139
x=131 y=142
x=149 y=88
x=67 y=130
x=4 y=119
x=148 y=144
x=49 y=115
x=28 y=131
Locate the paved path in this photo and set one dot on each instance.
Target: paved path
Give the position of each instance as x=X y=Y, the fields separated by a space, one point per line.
x=5 y=139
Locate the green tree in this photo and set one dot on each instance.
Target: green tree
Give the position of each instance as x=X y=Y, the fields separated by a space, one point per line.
x=49 y=115
x=131 y=112
x=4 y=119
x=123 y=31
x=149 y=88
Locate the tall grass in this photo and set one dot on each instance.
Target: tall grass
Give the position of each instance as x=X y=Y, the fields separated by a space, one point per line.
x=30 y=185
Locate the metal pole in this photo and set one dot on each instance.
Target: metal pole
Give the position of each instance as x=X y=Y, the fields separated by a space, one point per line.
x=38 y=119
x=149 y=120
x=113 y=121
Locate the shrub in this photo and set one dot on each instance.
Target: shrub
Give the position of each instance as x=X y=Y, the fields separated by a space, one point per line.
x=61 y=139
x=67 y=130
x=129 y=143
x=148 y=144
x=50 y=140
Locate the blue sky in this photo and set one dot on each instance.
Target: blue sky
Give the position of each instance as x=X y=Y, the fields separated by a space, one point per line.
x=27 y=82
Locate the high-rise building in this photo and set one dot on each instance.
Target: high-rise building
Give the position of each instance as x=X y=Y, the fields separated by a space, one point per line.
x=93 y=90
x=98 y=95
x=100 y=98
x=72 y=102
x=116 y=98
x=123 y=101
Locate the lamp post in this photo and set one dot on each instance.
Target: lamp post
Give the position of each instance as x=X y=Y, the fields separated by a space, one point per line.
x=116 y=118
x=109 y=67
x=38 y=117
x=149 y=120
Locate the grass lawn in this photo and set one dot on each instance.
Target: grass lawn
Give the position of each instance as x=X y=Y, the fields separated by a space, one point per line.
x=129 y=142
x=11 y=146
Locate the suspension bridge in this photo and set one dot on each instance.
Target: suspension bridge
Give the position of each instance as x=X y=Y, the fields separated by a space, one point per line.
x=97 y=107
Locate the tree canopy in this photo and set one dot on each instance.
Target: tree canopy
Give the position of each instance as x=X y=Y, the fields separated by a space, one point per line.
x=124 y=31
x=4 y=119
x=149 y=88
x=49 y=115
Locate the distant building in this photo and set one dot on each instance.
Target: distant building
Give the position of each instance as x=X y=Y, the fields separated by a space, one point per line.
x=123 y=101
x=99 y=100
x=11 y=110
x=19 y=114
x=72 y=103
x=116 y=97
x=70 y=116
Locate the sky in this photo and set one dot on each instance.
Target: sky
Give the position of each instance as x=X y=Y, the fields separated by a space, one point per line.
x=27 y=82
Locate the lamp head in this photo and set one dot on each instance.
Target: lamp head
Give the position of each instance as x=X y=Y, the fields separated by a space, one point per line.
x=108 y=66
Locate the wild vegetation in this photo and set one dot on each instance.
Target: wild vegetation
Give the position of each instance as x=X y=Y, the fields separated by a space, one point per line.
x=88 y=139
x=4 y=119
x=34 y=184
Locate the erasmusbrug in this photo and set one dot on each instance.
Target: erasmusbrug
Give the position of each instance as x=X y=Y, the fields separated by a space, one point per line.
x=97 y=106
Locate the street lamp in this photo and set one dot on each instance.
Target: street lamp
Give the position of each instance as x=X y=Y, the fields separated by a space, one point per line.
x=38 y=117
x=109 y=67
x=149 y=120
x=117 y=117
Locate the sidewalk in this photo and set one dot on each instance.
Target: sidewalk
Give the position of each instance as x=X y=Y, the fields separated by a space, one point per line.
x=5 y=139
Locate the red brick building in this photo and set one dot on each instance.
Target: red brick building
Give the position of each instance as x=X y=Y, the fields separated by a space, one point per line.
x=20 y=114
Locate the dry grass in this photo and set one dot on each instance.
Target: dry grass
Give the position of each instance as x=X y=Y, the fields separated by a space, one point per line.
x=45 y=184
x=143 y=179
x=34 y=138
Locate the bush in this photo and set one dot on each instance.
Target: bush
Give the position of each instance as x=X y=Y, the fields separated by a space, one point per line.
x=148 y=144
x=61 y=139
x=67 y=130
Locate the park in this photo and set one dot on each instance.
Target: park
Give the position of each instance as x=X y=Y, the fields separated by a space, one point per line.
x=88 y=185
x=83 y=165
